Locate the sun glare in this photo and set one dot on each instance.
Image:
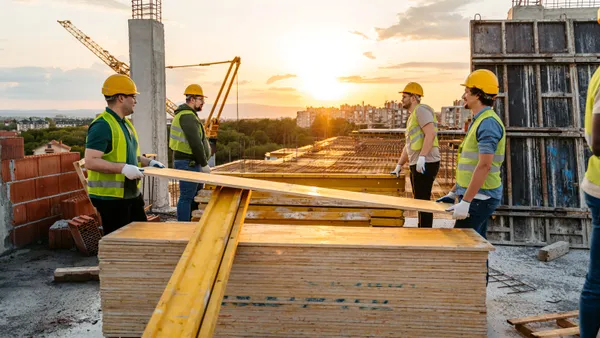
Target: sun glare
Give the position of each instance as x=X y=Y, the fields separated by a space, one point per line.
x=324 y=87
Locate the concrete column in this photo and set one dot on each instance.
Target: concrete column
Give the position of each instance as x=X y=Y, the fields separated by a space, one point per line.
x=147 y=57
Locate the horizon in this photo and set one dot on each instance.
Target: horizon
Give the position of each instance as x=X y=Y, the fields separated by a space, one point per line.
x=321 y=54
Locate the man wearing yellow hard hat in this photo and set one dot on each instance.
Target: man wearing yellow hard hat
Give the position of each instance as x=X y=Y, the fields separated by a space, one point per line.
x=112 y=158
x=480 y=156
x=421 y=151
x=589 y=302
x=191 y=150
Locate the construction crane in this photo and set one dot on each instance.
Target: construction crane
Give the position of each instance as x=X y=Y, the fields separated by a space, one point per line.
x=212 y=121
x=116 y=65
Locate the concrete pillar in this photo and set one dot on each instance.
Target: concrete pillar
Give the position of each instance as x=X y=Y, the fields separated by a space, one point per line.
x=147 y=57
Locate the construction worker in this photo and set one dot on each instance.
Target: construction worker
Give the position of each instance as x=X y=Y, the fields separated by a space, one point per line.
x=480 y=156
x=421 y=151
x=589 y=302
x=190 y=146
x=112 y=158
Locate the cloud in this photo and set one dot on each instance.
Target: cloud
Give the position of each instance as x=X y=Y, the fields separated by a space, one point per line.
x=429 y=65
x=276 y=78
x=363 y=35
x=282 y=89
x=430 y=20
x=38 y=83
x=109 y=4
x=369 y=55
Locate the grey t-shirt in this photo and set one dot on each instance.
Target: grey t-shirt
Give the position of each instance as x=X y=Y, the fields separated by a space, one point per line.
x=424 y=116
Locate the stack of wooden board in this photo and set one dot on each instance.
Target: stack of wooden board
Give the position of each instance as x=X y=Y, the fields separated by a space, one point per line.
x=310 y=280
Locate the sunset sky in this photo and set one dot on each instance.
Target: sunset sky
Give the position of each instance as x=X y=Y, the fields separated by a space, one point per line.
x=294 y=53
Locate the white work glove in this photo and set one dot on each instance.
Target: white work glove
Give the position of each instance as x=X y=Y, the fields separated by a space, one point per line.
x=449 y=198
x=132 y=172
x=154 y=163
x=421 y=165
x=461 y=210
x=205 y=169
x=396 y=171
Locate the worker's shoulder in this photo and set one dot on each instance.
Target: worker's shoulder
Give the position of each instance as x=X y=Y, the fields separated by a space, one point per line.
x=98 y=127
x=490 y=125
x=424 y=109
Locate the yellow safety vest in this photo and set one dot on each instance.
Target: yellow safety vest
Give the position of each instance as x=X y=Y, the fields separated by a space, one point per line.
x=468 y=155
x=112 y=185
x=593 y=171
x=177 y=140
x=416 y=134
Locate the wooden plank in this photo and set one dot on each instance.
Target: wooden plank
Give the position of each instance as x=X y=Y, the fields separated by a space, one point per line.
x=77 y=274
x=300 y=190
x=526 y=331
x=556 y=333
x=543 y=318
x=183 y=303
x=553 y=251
x=566 y=323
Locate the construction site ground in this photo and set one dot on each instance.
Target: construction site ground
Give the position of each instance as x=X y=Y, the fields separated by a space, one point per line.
x=32 y=305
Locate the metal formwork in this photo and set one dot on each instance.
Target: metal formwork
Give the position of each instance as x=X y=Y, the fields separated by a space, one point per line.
x=544 y=68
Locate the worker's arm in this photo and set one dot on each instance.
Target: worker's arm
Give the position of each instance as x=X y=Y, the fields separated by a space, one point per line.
x=144 y=160
x=94 y=161
x=190 y=128
x=404 y=157
x=596 y=125
x=429 y=132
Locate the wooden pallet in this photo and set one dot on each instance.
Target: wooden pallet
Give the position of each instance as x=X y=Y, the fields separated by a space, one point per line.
x=563 y=320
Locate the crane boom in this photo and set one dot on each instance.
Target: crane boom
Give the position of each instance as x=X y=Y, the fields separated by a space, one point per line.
x=111 y=61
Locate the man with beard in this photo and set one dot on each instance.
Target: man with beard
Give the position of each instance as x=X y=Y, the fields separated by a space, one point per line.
x=191 y=150
x=480 y=156
x=421 y=150
x=112 y=158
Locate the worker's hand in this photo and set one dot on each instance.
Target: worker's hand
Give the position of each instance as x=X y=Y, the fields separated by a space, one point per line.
x=461 y=210
x=397 y=170
x=154 y=163
x=205 y=169
x=421 y=164
x=449 y=198
x=132 y=172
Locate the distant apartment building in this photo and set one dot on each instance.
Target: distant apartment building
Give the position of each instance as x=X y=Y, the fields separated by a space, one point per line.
x=25 y=125
x=455 y=116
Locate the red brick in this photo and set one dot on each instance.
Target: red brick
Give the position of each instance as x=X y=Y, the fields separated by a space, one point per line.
x=12 y=148
x=22 y=191
x=49 y=164
x=44 y=227
x=19 y=214
x=4 y=133
x=37 y=210
x=26 y=168
x=23 y=235
x=66 y=161
x=55 y=209
x=6 y=171
x=46 y=186
x=69 y=182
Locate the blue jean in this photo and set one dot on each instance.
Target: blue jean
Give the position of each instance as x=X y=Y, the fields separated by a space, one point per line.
x=479 y=214
x=589 y=302
x=187 y=191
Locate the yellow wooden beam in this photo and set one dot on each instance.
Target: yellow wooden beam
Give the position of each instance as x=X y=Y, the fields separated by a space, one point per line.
x=182 y=306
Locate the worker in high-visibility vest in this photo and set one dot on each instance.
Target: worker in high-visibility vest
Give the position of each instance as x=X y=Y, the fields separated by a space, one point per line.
x=421 y=150
x=112 y=158
x=480 y=156
x=589 y=303
x=191 y=150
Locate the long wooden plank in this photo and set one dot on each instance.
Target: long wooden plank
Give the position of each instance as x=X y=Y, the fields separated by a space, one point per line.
x=543 y=318
x=300 y=190
x=77 y=274
x=556 y=333
x=183 y=303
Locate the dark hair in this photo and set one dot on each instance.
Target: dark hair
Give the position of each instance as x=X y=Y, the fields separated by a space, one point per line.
x=111 y=99
x=486 y=99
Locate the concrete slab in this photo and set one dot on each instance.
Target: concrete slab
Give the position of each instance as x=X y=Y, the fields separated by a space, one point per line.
x=32 y=305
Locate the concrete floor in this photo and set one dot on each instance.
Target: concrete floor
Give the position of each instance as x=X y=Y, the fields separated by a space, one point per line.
x=32 y=305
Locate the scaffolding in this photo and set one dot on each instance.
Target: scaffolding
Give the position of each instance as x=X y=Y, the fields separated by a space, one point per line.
x=147 y=9
x=557 y=3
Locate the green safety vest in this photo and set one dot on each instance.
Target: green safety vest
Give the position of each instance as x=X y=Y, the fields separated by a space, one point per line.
x=177 y=140
x=468 y=155
x=112 y=185
x=593 y=171
x=416 y=134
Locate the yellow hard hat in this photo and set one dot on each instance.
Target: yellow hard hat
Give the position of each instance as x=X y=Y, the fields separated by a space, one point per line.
x=194 y=89
x=413 y=88
x=119 y=84
x=483 y=79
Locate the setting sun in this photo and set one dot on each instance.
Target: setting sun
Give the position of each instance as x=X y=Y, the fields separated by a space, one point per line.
x=324 y=87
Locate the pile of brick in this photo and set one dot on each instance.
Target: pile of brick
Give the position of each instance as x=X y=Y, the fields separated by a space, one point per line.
x=59 y=236
x=74 y=206
x=35 y=186
x=86 y=234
